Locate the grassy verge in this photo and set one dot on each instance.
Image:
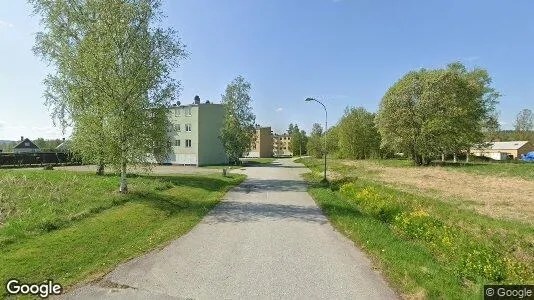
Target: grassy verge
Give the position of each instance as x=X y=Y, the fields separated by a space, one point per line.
x=426 y=247
x=72 y=227
x=501 y=169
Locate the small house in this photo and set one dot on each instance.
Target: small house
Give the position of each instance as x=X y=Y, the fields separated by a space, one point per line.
x=26 y=146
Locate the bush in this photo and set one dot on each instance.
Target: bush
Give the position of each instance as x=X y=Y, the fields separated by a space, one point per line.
x=382 y=207
x=418 y=224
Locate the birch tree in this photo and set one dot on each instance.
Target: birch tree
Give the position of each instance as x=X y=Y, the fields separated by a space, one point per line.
x=111 y=77
x=239 y=120
x=524 y=124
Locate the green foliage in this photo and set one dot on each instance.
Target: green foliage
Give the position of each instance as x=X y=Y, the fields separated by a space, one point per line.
x=238 y=127
x=315 y=144
x=472 y=258
x=111 y=78
x=358 y=136
x=524 y=124
x=73 y=227
x=299 y=140
x=430 y=112
x=47 y=145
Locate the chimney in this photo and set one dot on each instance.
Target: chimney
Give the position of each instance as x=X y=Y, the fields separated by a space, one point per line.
x=197 y=99
x=21 y=138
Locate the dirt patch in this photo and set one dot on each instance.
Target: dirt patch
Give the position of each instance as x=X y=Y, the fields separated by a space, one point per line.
x=499 y=197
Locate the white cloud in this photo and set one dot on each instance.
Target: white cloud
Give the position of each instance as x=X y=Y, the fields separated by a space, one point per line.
x=5 y=24
x=279 y=109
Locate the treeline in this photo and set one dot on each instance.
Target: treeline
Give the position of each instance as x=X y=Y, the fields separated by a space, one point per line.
x=46 y=145
x=425 y=115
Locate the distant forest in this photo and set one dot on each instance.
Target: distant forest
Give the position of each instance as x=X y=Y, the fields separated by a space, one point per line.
x=512 y=135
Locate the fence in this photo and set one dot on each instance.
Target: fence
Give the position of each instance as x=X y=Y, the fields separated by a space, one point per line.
x=36 y=159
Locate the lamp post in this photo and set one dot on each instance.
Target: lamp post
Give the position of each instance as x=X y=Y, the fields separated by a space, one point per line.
x=325 y=128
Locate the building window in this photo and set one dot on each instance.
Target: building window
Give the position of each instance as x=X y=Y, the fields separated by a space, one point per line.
x=176 y=112
x=177 y=143
x=188 y=127
x=188 y=111
x=177 y=127
x=188 y=143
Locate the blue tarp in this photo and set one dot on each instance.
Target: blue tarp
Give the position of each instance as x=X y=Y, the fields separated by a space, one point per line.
x=529 y=157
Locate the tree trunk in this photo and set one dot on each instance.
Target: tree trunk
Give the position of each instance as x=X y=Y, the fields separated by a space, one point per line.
x=124 y=185
x=455 y=158
x=467 y=156
x=443 y=157
x=100 y=169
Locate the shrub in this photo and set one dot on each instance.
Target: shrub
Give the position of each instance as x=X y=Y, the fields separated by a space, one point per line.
x=371 y=202
x=419 y=224
x=482 y=261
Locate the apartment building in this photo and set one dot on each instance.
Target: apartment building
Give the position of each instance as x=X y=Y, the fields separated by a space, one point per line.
x=261 y=143
x=194 y=134
x=281 y=145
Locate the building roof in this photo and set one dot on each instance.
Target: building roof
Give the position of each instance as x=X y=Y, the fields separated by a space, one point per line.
x=26 y=144
x=63 y=146
x=512 y=145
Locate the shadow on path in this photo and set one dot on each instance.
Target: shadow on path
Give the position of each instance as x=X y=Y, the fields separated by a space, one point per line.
x=235 y=212
x=271 y=185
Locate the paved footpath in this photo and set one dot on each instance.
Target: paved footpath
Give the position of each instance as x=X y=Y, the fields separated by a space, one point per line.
x=267 y=239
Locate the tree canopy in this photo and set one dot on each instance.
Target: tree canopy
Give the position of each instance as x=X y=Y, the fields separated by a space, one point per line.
x=431 y=112
x=299 y=140
x=357 y=134
x=111 y=78
x=524 y=124
x=239 y=120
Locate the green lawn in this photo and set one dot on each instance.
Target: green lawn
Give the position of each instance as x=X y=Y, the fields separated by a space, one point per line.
x=72 y=227
x=426 y=247
x=517 y=169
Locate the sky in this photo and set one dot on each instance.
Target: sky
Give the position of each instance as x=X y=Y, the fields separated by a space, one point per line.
x=342 y=52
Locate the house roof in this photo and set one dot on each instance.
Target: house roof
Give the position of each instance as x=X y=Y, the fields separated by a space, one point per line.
x=63 y=146
x=512 y=145
x=26 y=144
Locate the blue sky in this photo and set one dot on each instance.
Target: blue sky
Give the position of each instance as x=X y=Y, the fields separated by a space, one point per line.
x=347 y=53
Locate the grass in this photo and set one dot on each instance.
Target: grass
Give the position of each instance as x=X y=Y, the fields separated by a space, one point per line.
x=74 y=227
x=518 y=169
x=246 y=162
x=426 y=247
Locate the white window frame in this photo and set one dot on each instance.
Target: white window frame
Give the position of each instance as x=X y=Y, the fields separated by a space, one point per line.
x=188 y=127
x=188 y=143
x=177 y=143
x=177 y=127
x=187 y=111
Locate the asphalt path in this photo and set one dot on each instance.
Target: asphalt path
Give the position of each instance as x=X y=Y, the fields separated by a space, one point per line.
x=267 y=239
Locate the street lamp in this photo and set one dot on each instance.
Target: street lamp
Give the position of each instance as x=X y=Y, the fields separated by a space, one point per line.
x=325 y=128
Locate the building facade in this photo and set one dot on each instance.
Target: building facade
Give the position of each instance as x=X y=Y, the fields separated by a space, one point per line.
x=261 y=143
x=281 y=145
x=194 y=134
x=503 y=150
